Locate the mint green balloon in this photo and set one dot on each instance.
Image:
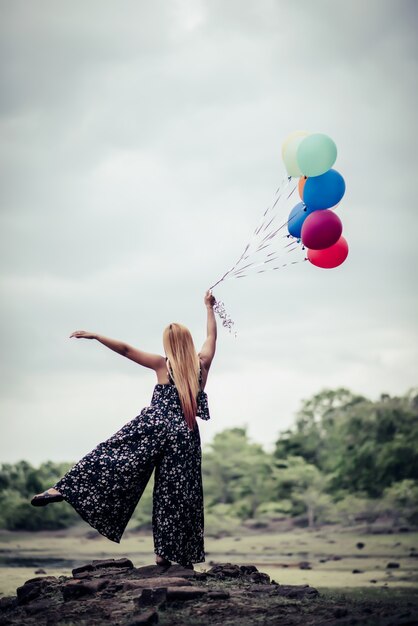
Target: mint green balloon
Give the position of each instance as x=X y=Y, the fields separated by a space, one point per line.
x=316 y=154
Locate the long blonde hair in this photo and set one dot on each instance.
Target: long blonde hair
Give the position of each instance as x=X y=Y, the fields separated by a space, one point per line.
x=184 y=365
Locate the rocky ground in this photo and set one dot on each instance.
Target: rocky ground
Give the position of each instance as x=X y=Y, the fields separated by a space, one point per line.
x=114 y=592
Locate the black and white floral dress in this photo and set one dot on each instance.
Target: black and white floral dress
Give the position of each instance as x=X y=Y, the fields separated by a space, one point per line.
x=105 y=486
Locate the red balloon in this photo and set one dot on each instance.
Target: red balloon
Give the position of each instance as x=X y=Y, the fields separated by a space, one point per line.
x=321 y=229
x=330 y=257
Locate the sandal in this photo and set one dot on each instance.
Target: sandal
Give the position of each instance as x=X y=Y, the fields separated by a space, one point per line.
x=162 y=562
x=45 y=498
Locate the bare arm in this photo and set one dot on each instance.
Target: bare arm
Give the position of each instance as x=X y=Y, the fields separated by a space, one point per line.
x=208 y=349
x=153 y=361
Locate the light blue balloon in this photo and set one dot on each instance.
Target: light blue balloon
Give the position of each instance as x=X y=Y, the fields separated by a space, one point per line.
x=325 y=191
x=297 y=216
x=316 y=154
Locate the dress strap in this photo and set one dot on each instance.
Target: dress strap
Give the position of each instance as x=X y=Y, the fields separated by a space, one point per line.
x=169 y=372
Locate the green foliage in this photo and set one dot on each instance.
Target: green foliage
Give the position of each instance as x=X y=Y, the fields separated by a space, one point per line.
x=142 y=515
x=401 y=500
x=354 y=508
x=362 y=446
x=18 y=483
x=237 y=472
x=220 y=520
x=347 y=459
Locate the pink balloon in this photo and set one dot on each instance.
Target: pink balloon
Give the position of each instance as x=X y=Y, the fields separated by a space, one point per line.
x=321 y=229
x=330 y=257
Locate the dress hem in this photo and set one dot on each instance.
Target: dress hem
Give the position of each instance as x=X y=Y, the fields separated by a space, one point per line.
x=84 y=517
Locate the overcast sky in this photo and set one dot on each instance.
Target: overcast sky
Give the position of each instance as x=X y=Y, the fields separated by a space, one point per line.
x=140 y=143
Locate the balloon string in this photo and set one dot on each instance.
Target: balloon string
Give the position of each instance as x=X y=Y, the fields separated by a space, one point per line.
x=236 y=270
x=219 y=306
x=262 y=227
x=256 y=232
x=277 y=256
x=271 y=269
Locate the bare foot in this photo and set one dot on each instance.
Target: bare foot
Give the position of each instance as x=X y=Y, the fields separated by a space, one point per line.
x=51 y=491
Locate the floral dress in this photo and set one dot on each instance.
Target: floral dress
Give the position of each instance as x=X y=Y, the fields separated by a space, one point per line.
x=105 y=486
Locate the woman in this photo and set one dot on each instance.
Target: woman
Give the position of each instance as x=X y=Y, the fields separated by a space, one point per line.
x=106 y=485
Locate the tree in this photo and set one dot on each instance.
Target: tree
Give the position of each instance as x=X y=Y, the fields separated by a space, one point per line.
x=363 y=446
x=237 y=472
x=303 y=484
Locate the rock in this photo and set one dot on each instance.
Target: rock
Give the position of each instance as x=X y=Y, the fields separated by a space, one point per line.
x=357 y=571
x=149 y=617
x=296 y=591
x=152 y=597
x=372 y=581
x=260 y=577
x=218 y=595
x=101 y=564
x=105 y=593
x=392 y=565
x=340 y=611
x=39 y=571
x=92 y=534
x=83 y=569
x=149 y=571
x=151 y=583
x=360 y=545
x=33 y=588
x=248 y=569
x=39 y=606
x=336 y=557
x=185 y=593
x=305 y=565
x=261 y=588
x=123 y=562
x=8 y=602
x=76 y=588
x=225 y=570
x=230 y=572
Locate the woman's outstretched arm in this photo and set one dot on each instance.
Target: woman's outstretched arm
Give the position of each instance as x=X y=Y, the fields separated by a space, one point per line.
x=153 y=361
x=208 y=349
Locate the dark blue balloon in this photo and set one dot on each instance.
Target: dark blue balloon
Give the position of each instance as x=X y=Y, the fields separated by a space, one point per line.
x=325 y=191
x=297 y=216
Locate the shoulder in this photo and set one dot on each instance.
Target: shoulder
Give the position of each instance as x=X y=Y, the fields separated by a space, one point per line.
x=162 y=371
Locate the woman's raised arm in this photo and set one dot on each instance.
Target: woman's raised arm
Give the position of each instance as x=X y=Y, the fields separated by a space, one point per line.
x=208 y=349
x=153 y=361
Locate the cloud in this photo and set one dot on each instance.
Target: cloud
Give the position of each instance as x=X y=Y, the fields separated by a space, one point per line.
x=140 y=146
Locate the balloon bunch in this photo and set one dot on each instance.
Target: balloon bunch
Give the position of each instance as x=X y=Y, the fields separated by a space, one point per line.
x=310 y=157
x=311 y=224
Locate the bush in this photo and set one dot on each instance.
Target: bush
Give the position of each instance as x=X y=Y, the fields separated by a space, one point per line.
x=271 y=510
x=220 y=520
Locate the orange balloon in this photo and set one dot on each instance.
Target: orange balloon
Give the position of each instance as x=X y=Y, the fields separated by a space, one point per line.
x=301 y=185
